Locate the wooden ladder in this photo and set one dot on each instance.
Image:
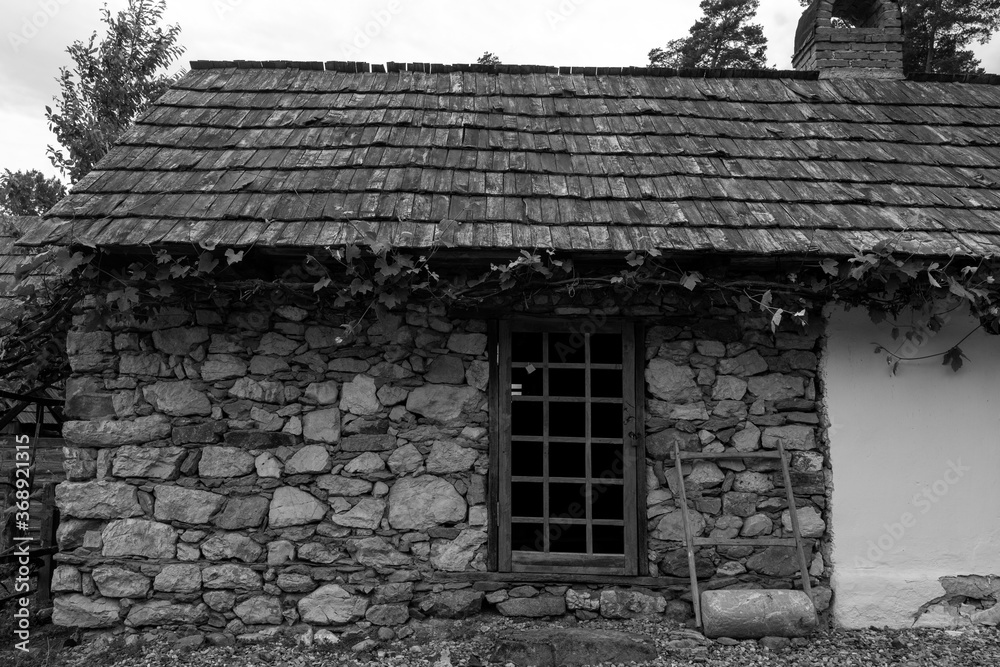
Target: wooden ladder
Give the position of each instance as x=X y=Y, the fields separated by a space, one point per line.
x=692 y=542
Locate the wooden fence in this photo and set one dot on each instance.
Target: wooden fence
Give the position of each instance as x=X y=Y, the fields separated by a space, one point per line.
x=46 y=462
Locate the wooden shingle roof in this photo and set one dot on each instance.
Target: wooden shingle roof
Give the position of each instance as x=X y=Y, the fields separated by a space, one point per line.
x=298 y=156
x=12 y=257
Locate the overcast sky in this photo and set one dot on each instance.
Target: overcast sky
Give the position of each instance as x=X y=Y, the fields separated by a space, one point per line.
x=35 y=34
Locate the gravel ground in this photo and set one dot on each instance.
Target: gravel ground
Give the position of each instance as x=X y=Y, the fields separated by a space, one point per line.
x=470 y=644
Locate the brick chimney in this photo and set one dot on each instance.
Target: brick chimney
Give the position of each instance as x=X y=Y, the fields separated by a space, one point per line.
x=851 y=39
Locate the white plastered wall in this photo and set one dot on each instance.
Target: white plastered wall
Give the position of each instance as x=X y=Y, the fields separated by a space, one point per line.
x=916 y=468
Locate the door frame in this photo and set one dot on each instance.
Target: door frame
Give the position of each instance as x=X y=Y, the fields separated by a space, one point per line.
x=500 y=556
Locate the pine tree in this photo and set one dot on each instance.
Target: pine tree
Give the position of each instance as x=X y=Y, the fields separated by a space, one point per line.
x=111 y=83
x=723 y=37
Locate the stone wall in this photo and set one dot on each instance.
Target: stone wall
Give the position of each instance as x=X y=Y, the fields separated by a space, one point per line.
x=241 y=470
x=720 y=381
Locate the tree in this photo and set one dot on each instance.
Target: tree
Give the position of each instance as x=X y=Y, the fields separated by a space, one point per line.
x=488 y=58
x=111 y=83
x=939 y=32
x=722 y=37
x=28 y=192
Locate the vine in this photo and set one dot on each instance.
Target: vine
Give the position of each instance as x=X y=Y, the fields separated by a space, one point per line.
x=369 y=277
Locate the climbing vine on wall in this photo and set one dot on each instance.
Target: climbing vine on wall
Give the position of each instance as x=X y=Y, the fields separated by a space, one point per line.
x=367 y=278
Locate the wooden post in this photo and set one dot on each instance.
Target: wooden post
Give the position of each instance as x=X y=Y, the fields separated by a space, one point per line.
x=49 y=523
x=692 y=568
x=794 y=516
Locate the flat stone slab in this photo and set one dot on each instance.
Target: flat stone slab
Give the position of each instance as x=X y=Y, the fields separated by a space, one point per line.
x=752 y=614
x=572 y=646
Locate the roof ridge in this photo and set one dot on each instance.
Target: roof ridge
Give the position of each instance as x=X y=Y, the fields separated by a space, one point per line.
x=360 y=67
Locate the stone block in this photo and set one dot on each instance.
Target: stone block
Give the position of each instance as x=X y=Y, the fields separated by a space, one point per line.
x=331 y=605
x=115 y=433
x=776 y=387
x=231 y=576
x=537 y=607
x=86 y=399
x=178 y=578
x=367 y=514
x=473 y=344
x=456 y=604
x=225 y=462
x=418 y=503
x=114 y=581
x=377 y=442
x=161 y=463
x=811 y=524
x=752 y=614
x=672 y=383
x=795 y=437
x=359 y=396
x=259 y=610
x=293 y=507
x=243 y=512
x=630 y=604
x=164 y=613
x=139 y=537
x=222 y=367
x=261 y=391
x=311 y=459
x=406 y=459
x=446 y=370
x=455 y=556
x=450 y=457
x=179 y=340
x=321 y=426
x=97 y=500
x=671 y=525
x=258 y=439
x=443 y=403
x=80 y=611
x=229 y=545
x=775 y=562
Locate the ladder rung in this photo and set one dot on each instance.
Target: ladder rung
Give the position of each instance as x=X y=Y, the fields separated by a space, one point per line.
x=729 y=455
x=745 y=542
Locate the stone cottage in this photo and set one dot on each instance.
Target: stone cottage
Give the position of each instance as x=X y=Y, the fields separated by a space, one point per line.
x=255 y=468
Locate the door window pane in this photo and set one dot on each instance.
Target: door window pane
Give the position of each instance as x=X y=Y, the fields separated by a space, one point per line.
x=606 y=461
x=525 y=382
x=567 y=459
x=606 y=349
x=526 y=459
x=526 y=418
x=606 y=420
x=527 y=537
x=609 y=540
x=571 y=538
x=567 y=420
x=526 y=346
x=605 y=383
x=527 y=499
x=567 y=348
x=567 y=382
x=567 y=501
